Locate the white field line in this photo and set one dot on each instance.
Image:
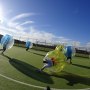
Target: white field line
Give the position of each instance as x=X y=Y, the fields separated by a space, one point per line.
x=43 y=88
x=23 y=83
x=11 y=79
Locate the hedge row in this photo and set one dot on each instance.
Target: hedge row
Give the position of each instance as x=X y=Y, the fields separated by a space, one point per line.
x=82 y=55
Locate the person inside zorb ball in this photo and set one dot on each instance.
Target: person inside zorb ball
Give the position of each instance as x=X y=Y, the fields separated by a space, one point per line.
x=28 y=45
x=55 y=60
x=7 y=42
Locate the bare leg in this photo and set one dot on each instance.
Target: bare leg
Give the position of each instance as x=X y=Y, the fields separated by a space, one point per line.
x=42 y=68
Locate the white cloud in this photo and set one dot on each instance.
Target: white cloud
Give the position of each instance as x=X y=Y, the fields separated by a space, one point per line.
x=15 y=23
x=12 y=24
x=27 y=22
x=19 y=31
x=20 y=16
x=88 y=44
x=19 y=26
x=76 y=43
x=43 y=36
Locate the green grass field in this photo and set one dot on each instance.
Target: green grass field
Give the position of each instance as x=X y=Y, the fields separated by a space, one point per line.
x=18 y=72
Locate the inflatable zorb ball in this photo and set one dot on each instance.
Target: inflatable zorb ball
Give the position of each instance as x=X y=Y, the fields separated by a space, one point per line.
x=70 y=51
x=58 y=58
x=60 y=48
x=29 y=44
x=7 y=41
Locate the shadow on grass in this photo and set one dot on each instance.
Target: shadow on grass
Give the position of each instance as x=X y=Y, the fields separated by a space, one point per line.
x=81 y=66
x=30 y=70
x=74 y=79
x=36 y=53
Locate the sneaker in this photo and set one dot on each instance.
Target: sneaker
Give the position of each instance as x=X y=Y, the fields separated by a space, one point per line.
x=39 y=70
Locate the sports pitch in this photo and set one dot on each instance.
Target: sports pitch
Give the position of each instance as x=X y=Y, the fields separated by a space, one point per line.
x=18 y=72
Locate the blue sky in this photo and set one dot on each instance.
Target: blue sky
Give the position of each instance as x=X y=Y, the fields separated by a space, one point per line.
x=51 y=20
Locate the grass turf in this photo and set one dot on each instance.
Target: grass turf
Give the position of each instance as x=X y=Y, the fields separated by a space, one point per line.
x=21 y=65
